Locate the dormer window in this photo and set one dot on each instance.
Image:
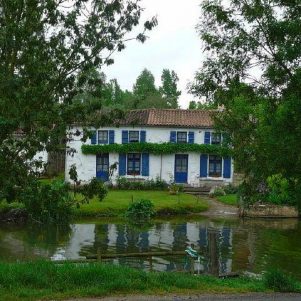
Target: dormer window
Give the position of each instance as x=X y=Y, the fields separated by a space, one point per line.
x=133 y=136
x=216 y=138
x=181 y=137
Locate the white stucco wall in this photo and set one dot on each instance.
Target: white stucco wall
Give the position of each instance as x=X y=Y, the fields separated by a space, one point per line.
x=159 y=166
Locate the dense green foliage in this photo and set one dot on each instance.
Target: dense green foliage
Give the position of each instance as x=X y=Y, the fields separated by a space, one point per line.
x=34 y=281
x=253 y=72
x=156 y=148
x=93 y=189
x=278 y=281
x=140 y=211
x=48 y=202
x=144 y=95
x=169 y=89
x=48 y=49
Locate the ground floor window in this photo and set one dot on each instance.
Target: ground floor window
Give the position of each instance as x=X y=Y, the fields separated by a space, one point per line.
x=133 y=164
x=215 y=166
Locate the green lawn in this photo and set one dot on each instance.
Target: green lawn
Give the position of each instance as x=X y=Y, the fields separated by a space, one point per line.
x=49 y=281
x=229 y=199
x=117 y=201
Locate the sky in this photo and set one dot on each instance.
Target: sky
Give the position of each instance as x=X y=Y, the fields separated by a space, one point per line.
x=174 y=44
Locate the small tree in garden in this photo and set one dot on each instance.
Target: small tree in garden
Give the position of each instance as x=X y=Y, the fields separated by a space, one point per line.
x=94 y=188
x=74 y=177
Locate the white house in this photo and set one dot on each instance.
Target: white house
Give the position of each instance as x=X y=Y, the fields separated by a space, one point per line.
x=177 y=146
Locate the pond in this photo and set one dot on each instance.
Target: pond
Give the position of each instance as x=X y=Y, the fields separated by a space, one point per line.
x=226 y=245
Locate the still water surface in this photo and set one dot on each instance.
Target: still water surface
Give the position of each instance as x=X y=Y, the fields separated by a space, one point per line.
x=226 y=245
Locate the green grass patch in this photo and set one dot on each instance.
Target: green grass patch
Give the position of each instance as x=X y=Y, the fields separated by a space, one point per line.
x=46 y=280
x=117 y=202
x=6 y=207
x=229 y=199
x=48 y=181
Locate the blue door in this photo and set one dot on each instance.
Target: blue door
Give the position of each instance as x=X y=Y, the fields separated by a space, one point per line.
x=102 y=167
x=181 y=168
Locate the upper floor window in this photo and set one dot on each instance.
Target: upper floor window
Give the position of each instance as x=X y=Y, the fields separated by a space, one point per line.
x=133 y=164
x=103 y=137
x=133 y=136
x=182 y=137
x=216 y=138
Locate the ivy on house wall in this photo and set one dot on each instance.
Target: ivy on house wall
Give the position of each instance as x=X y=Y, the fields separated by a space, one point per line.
x=156 y=148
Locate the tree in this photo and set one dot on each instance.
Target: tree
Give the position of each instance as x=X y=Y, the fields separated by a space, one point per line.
x=145 y=85
x=253 y=70
x=169 y=89
x=197 y=105
x=45 y=45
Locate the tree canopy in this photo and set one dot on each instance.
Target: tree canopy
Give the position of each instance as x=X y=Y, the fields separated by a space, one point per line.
x=169 y=89
x=252 y=69
x=47 y=51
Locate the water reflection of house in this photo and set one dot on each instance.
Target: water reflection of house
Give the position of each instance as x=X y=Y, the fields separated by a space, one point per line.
x=214 y=243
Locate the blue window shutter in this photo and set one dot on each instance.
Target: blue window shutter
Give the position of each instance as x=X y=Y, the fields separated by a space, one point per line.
x=227 y=168
x=111 y=137
x=93 y=138
x=191 y=137
x=207 y=138
x=122 y=164
x=125 y=137
x=143 y=136
x=173 y=136
x=204 y=166
x=145 y=164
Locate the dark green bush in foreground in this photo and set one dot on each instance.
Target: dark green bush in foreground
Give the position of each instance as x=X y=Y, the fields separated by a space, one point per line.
x=278 y=281
x=48 y=202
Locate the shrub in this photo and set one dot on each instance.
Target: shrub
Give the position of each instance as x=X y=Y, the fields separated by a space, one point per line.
x=278 y=188
x=141 y=210
x=47 y=202
x=94 y=188
x=124 y=183
x=217 y=191
x=230 y=189
x=280 y=282
x=175 y=189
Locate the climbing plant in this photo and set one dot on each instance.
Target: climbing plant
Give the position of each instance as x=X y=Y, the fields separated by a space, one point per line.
x=156 y=148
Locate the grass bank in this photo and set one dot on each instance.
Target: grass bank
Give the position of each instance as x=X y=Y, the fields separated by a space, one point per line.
x=229 y=199
x=6 y=207
x=46 y=280
x=117 y=201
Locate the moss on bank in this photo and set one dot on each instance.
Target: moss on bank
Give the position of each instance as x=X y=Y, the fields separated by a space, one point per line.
x=46 y=280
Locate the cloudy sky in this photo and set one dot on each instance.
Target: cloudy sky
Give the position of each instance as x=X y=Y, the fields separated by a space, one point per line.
x=173 y=44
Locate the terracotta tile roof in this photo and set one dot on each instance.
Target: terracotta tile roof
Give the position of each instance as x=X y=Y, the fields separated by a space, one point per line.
x=169 y=117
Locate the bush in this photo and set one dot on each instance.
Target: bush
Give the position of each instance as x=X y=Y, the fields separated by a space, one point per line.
x=278 y=188
x=175 y=189
x=47 y=202
x=94 y=188
x=217 y=191
x=141 y=210
x=230 y=189
x=280 y=282
x=125 y=184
